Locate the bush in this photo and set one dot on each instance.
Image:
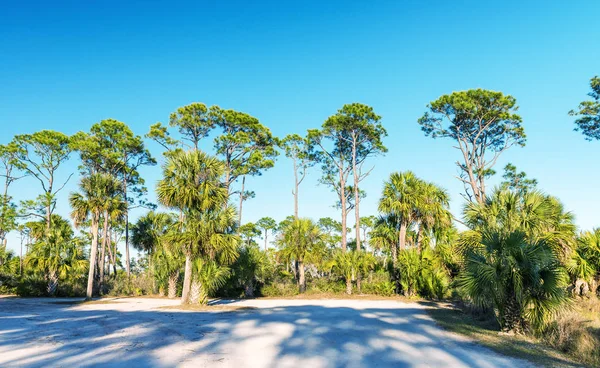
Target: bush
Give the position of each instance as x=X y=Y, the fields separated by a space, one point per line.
x=325 y=285
x=280 y=289
x=8 y=284
x=571 y=334
x=135 y=285
x=32 y=286
x=383 y=288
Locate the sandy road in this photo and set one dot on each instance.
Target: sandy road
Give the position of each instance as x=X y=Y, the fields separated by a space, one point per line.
x=137 y=332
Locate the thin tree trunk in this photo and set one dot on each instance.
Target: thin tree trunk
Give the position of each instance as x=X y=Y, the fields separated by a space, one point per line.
x=266 y=236
x=296 y=186
x=241 y=199
x=348 y=286
x=21 y=258
x=344 y=216
x=301 y=280
x=93 y=252
x=356 y=195
x=104 y=242
x=395 y=277
x=127 y=261
x=187 y=280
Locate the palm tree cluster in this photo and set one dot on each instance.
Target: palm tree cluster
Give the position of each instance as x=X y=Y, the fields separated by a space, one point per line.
x=517 y=253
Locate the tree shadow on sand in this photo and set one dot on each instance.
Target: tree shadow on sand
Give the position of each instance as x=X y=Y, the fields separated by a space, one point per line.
x=287 y=336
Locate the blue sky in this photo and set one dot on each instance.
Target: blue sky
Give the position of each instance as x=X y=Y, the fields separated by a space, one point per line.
x=67 y=65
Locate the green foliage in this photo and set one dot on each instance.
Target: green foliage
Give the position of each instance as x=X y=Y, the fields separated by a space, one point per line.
x=280 y=290
x=423 y=274
x=512 y=258
x=516 y=181
x=249 y=231
x=245 y=145
x=193 y=122
x=588 y=113
x=40 y=155
x=480 y=122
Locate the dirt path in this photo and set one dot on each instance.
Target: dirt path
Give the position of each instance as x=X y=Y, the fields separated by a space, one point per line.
x=278 y=333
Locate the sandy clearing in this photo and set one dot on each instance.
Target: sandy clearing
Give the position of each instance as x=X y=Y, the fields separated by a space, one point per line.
x=135 y=332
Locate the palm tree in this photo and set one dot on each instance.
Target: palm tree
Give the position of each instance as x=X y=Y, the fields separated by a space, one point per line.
x=584 y=265
x=114 y=208
x=400 y=198
x=57 y=255
x=208 y=277
x=192 y=184
x=511 y=257
x=96 y=191
x=385 y=237
x=297 y=241
x=211 y=236
x=433 y=211
x=351 y=265
x=148 y=232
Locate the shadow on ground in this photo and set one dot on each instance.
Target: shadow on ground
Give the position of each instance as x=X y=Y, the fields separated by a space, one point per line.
x=312 y=335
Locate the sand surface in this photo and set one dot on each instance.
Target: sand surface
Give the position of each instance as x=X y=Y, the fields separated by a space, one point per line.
x=137 y=332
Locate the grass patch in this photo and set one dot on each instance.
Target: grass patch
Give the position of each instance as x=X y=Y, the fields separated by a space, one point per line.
x=484 y=330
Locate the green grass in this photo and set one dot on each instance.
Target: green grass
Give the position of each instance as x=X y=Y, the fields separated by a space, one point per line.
x=484 y=330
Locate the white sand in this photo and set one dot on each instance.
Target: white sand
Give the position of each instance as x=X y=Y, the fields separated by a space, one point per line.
x=280 y=333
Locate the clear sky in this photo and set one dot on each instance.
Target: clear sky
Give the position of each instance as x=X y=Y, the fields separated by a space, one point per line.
x=66 y=65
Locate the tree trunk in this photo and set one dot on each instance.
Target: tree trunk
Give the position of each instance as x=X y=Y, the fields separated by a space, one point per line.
x=127 y=264
x=395 y=272
x=344 y=225
x=187 y=280
x=348 y=286
x=52 y=283
x=402 y=236
x=295 y=192
x=249 y=290
x=241 y=199
x=93 y=253
x=301 y=280
x=173 y=285
x=419 y=237
x=511 y=319
x=266 y=236
x=104 y=243
x=356 y=195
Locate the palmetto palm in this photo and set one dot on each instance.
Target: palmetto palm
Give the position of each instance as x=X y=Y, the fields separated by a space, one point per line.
x=96 y=191
x=584 y=264
x=385 y=237
x=297 y=241
x=208 y=276
x=192 y=184
x=56 y=256
x=400 y=198
x=432 y=212
x=148 y=233
x=512 y=257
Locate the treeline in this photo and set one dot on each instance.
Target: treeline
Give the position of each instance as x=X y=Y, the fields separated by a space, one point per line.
x=520 y=256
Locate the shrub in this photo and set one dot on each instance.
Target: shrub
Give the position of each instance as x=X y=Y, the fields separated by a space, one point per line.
x=383 y=288
x=325 y=285
x=571 y=334
x=279 y=289
x=32 y=286
x=8 y=284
